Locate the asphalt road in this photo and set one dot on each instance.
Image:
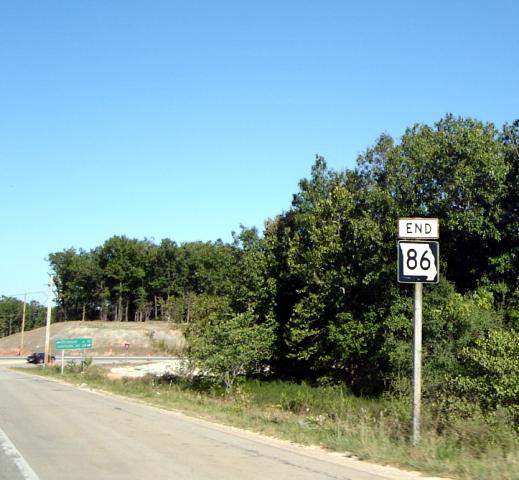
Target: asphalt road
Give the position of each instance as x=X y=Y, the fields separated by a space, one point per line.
x=53 y=431
x=22 y=361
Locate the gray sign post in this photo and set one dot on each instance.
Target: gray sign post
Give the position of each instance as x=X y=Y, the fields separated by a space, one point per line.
x=418 y=263
x=417 y=362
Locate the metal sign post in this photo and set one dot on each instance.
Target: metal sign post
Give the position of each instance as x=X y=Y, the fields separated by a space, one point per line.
x=417 y=362
x=418 y=263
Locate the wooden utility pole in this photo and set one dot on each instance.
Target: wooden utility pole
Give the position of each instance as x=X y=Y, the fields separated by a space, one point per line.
x=47 y=326
x=23 y=324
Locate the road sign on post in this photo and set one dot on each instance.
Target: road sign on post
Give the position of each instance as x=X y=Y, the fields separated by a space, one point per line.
x=418 y=263
x=73 y=343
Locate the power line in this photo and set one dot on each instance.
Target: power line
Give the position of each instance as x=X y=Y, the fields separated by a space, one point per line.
x=24 y=293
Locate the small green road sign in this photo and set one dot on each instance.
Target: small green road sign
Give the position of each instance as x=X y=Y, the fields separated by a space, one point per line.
x=72 y=343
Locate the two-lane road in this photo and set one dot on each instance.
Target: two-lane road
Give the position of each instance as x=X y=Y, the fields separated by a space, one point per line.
x=53 y=431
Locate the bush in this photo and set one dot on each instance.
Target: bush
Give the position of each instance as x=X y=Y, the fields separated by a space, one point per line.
x=491 y=373
x=227 y=347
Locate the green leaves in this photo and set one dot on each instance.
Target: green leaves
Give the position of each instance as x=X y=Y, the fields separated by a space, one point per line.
x=11 y=313
x=130 y=279
x=323 y=275
x=456 y=171
x=490 y=374
x=459 y=171
x=226 y=347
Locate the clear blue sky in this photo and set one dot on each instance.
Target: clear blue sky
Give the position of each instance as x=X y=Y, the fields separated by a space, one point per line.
x=183 y=119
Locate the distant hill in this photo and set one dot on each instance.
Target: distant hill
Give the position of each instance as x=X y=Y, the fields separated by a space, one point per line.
x=109 y=338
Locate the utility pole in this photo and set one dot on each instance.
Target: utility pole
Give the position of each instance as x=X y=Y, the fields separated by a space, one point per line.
x=23 y=315
x=47 y=326
x=23 y=323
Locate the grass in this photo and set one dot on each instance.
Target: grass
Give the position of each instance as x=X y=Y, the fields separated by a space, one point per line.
x=377 y=430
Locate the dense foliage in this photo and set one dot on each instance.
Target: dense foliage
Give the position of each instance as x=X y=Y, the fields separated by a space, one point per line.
x=128 y=279
x=322 y=275
x=12 y=312
x=227 y=347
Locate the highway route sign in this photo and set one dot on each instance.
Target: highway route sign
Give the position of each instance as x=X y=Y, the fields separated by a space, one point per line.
x=73 y=343
x=418 y=228
x=418 y=262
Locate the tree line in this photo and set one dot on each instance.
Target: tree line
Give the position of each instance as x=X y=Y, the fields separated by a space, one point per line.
x=11 y=315
x=322 y=275
x=137 y=280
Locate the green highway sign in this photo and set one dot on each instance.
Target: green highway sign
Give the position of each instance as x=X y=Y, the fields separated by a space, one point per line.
x=70 y=343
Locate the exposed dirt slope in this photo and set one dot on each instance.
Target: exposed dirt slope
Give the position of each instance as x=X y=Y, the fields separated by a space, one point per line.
x=109 y=338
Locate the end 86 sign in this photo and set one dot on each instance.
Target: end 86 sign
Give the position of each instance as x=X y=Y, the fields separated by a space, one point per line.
x=418 y=262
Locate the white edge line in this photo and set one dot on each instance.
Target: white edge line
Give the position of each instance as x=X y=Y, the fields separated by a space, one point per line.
x=10 y=450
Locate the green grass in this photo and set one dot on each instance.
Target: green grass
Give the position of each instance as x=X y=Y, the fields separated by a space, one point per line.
x=377 y=430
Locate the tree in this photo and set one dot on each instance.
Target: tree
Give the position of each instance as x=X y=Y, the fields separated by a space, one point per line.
x=254 y=286
x=455 y=171
x=206 y=268
x=451 y=323
x=11 y=311
x=10 y=315
x=503 y=274
x=331 y=280
x=227 y=347
x=78 y=277
x=164 y=280
x=322 y=277
x=124 y=262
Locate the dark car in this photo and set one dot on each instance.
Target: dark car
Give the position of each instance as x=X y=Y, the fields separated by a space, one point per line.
x=38 y=357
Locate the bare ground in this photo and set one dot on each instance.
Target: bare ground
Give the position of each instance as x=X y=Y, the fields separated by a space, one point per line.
x=109 y=338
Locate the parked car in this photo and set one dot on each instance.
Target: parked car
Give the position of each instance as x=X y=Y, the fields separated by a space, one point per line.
x=39 y=357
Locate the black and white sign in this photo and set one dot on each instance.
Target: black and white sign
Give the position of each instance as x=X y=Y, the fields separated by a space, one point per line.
x=418 y=262
x=419 y=228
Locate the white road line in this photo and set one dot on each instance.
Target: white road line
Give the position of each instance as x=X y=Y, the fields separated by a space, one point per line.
x=10 y=450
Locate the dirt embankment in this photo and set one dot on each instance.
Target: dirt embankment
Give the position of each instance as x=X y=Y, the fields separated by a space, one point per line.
x=109 y=338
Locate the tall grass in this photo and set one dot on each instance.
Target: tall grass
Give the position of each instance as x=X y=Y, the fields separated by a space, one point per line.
x=331 y=417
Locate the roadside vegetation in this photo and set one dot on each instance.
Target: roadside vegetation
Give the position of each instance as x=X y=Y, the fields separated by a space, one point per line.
x=311 y=305
x=331 y=417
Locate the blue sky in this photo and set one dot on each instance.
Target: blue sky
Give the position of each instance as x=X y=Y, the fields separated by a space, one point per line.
x=185 y=119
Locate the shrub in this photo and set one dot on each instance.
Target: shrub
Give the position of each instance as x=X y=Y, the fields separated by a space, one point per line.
x=491 y=373
x=226 y=347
